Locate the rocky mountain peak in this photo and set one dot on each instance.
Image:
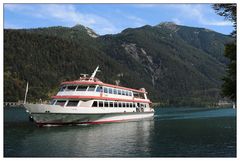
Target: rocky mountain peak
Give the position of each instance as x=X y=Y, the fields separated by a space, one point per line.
x=169 y=25
x=78 y=26
x=89 y=31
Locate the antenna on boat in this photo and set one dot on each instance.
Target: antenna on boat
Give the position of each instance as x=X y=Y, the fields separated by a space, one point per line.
x=94 y=73
x=25 y=98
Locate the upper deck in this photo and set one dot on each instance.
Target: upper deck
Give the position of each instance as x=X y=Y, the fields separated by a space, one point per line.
x=97 y=82
x=93 y=88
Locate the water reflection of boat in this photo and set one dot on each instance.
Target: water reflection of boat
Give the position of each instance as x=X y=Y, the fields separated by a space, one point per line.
x=108 y=140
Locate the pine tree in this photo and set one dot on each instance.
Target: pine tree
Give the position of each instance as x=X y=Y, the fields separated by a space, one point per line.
x=229 y=85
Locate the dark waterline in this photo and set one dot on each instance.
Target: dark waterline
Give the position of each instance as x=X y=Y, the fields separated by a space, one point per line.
x=174 y=132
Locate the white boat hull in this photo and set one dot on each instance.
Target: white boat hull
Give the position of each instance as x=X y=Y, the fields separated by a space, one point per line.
x=57 y=115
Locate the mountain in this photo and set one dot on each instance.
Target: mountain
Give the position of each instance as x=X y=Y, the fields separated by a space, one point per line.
x=178 y=65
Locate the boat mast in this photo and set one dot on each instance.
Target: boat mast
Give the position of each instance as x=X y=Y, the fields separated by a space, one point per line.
x=94 y=73
x=25 y=98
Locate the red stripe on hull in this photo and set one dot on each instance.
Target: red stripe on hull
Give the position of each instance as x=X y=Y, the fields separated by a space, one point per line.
x=91 y=122
x=102 y=122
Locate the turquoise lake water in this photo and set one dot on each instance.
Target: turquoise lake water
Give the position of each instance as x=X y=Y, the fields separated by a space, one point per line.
x=173 y=132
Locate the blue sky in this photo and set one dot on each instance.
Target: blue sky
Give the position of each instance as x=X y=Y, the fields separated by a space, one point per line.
x=113 y=18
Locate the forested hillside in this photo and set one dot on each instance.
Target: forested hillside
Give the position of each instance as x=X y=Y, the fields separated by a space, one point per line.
x=177 y=65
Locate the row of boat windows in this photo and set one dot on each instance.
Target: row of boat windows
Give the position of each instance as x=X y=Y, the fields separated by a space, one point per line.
x=97 y=89
x=99 y=103
x=116 y=104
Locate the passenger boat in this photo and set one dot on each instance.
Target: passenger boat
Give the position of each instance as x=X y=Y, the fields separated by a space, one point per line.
x=90 y=101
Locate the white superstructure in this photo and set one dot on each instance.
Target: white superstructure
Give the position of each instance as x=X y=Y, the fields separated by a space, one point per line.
x=90 y=101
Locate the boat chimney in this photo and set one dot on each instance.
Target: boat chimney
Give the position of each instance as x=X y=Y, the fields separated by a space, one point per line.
x=83 y=76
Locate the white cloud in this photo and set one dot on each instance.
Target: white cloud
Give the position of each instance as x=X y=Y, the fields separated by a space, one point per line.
x=16 y=7
x=132 y=21
x=136 y=21
x=11 y=26
x=220 y=23
x=65 y=13
x=198 y=13
x=69 y=15
x=177 y=21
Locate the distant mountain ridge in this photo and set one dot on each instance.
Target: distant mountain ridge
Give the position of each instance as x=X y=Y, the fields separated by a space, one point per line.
x=178 y=65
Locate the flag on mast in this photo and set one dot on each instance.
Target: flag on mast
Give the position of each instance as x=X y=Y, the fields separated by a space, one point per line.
x=25 y=98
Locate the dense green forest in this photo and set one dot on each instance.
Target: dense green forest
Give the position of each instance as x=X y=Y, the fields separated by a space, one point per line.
x=178 y=65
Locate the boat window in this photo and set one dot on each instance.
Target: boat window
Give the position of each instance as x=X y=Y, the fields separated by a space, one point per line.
x=70 y=88
x=110 y=104
x=136 y=95
x=130 y=105
x=62 y=88
x=100 y=103
x=82 y=88
x=115 y=104
x=123 y=92
x=60 y=102
x=106 y=104
x=91 y=88
x=52 y=102
x=72 y=103
x=115 y=91
x=94 y=104
x=119 y=104
x=119 y=91
x=110 y=91
x=99 y=89
x=124 y=104
x=127 y=104
x=134 y=105
x=105 y=90
x=130 y=93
